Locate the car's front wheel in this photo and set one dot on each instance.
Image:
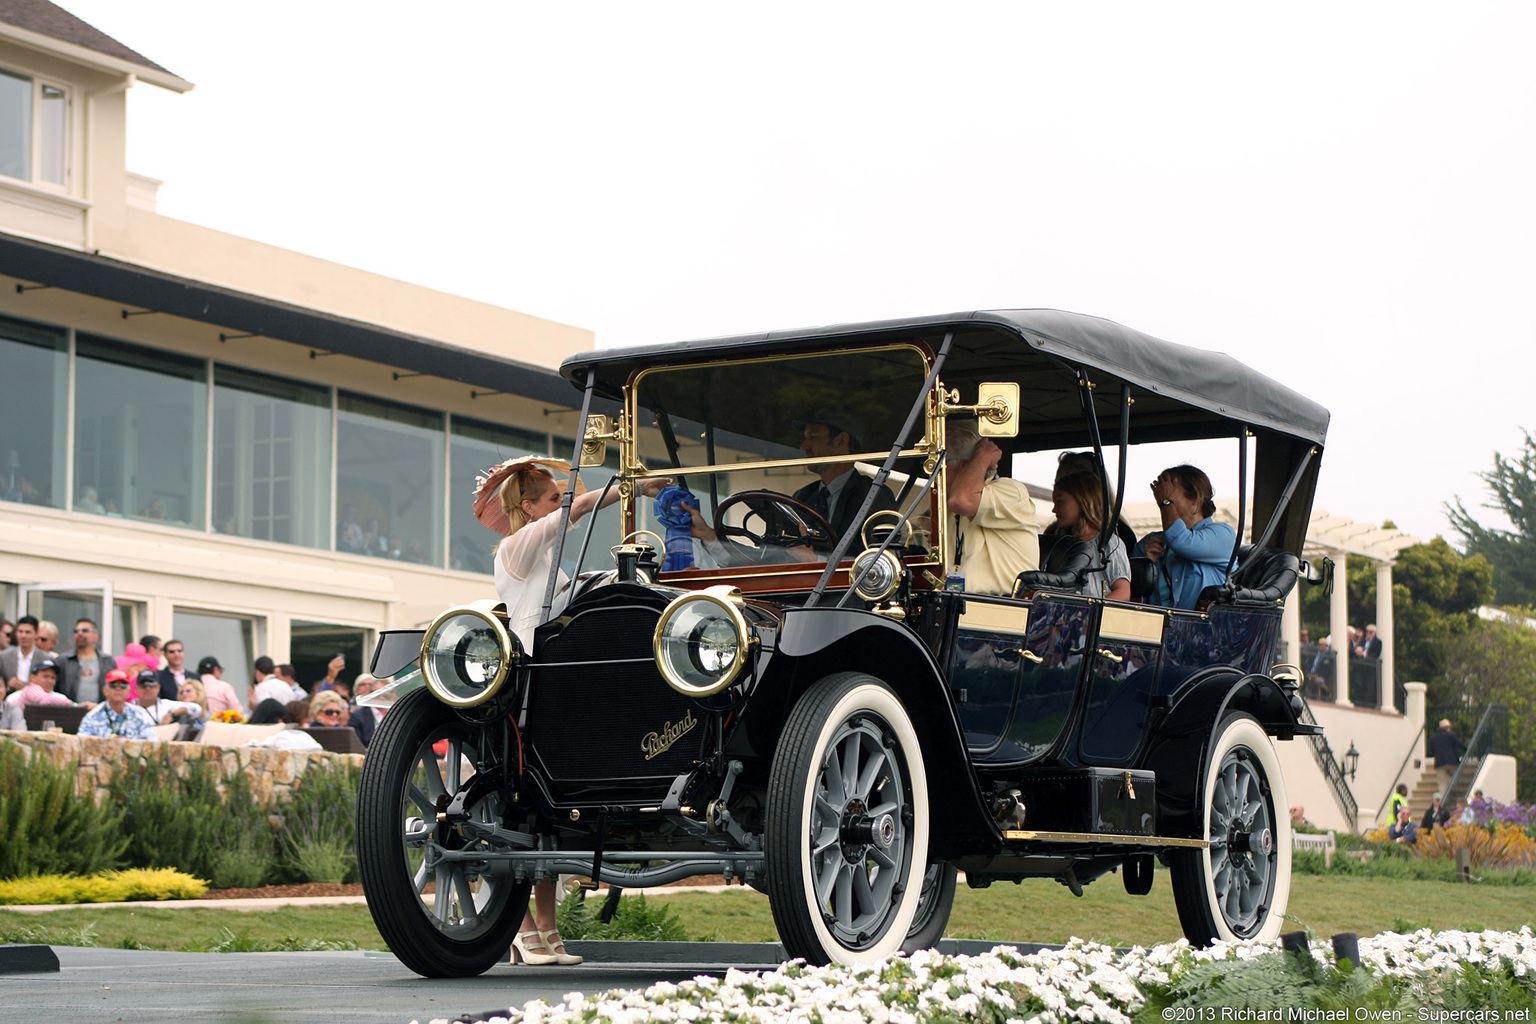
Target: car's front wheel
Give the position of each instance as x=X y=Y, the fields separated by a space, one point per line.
x=846 y=841
x=444 y=913
x=1238 y=887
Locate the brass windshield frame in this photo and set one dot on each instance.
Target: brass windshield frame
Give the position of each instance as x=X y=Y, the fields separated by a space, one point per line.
x=926 y=447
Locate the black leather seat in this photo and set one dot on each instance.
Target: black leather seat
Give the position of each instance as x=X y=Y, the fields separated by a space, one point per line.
x=1143 y=579
x=1062 y=567
x=1262 y=579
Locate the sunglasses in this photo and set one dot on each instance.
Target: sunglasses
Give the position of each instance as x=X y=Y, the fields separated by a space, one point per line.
x=173 y=650
x=331 y=711
x=117 y=686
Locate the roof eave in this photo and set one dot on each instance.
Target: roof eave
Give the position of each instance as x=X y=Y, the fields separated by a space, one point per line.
x=94 y=58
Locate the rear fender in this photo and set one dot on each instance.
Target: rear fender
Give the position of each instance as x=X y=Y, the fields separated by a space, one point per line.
x=1184 y=735
x=815 y=643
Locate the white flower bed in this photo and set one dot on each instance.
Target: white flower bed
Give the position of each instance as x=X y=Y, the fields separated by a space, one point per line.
x=1083 y=982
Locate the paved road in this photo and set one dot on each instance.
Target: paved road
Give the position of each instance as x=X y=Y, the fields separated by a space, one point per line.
x=152 y=987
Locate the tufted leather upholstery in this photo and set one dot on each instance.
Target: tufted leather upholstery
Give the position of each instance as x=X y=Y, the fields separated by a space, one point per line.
x=1262 y=579
x=1062 y=569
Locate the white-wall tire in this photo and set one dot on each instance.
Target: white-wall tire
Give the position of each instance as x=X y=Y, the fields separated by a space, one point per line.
x=1239 y=886
x=849 y=768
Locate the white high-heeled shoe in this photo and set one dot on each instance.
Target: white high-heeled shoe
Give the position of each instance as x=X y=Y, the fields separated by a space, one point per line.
x=551 y=941
x=529 y=948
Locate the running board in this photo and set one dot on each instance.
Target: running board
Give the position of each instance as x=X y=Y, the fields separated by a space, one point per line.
x=1104 y=837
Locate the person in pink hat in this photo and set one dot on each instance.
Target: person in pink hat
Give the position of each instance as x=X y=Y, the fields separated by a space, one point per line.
x=520 y=499
x=132 y=661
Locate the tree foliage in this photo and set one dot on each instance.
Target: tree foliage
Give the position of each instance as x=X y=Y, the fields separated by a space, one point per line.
x=1494 y=662
x=1512 y=553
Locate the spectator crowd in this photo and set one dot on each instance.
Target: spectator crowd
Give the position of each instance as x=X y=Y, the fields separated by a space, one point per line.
x=150 y=685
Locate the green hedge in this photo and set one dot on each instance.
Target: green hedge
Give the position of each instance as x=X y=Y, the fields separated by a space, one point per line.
x=155 y=817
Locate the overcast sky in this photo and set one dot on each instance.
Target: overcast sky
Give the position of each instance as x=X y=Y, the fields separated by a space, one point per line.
x=1339 y=195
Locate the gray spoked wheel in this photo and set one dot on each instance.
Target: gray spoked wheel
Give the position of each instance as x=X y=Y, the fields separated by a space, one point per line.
x=847 y=837
x=933 y=907
x=444 y=912
x=1239 y=886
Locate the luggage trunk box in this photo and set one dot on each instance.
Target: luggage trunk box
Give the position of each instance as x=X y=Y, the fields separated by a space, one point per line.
x=1105 y=800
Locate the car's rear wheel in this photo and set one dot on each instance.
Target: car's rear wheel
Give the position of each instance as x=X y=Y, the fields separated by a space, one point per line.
x=443 y=914
x=846 y=841
x=933 y=908
x=1238 y=887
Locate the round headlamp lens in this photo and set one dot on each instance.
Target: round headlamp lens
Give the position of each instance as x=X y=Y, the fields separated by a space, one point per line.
x=466 y=658
x=880 y=579
x=700 y=646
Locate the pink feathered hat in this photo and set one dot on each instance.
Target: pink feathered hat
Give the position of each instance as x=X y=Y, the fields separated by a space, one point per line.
x=488 y=488
x=135 y=654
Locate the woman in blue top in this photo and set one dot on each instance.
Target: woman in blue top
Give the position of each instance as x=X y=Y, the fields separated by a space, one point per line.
x=1193 y=550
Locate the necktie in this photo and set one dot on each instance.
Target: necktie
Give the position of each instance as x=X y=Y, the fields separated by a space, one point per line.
x=822 y=502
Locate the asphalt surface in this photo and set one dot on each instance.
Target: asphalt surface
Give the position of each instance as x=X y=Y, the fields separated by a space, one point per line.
x=153 y=987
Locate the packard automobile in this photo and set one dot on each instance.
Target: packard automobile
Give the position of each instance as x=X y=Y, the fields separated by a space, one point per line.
x=801 y=696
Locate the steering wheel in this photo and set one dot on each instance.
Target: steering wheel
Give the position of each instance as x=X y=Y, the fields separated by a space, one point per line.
x=786 y=522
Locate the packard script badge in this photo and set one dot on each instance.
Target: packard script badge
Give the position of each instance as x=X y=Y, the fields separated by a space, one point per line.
x=657 y=743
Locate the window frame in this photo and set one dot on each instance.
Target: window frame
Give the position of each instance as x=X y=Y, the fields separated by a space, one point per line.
x=38 y=83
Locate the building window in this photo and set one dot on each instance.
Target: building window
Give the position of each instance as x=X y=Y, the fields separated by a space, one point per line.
x=33 y=411
x=475 y=447
x=140 y=432
x=271 y=458
x=389 y=480
x=33 y=129
x=229 y=638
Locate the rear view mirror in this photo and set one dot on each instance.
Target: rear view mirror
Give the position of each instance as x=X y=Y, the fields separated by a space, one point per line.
x=996 y=408
x=594 y=445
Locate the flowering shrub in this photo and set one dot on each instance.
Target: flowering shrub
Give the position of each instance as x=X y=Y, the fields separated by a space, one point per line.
x=1086 y=982
x=1491 y=812
x=1503 y=846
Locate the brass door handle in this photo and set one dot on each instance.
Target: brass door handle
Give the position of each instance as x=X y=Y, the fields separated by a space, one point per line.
x=1110 y=655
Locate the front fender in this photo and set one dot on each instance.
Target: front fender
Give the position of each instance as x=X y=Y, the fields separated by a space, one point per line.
x=817 y=642
x=1183 y=739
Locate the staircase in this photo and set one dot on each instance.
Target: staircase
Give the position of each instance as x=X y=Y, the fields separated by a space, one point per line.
x=1422 y=793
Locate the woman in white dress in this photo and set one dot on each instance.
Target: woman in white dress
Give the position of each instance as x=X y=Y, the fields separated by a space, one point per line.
x=521 y=500
x=1079 y=499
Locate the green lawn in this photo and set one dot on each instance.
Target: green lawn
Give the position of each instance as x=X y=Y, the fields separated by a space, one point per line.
x=1037 y=911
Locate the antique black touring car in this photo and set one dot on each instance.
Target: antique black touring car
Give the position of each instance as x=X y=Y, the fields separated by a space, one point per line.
x=827 y=715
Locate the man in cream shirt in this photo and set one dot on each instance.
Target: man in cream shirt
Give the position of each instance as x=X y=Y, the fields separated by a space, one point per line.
x=998 y=537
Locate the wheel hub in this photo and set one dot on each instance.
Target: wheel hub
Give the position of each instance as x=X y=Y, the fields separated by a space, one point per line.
x=857 y=831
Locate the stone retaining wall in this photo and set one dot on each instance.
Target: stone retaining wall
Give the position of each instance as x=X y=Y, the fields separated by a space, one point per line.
x=97 y=759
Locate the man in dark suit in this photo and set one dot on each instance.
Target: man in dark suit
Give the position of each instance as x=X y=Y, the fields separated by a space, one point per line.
x=175 y=673
x=18 y=660
x=1370 y=644
x=839 y=491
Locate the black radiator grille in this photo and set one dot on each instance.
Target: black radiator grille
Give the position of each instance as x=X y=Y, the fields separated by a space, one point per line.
x=594 y=722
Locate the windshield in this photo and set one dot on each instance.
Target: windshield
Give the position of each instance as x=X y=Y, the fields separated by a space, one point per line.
x=774 y=457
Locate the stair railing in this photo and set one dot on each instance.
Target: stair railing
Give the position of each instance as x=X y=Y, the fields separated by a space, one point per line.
x=1332 y=770
x=1495 y=720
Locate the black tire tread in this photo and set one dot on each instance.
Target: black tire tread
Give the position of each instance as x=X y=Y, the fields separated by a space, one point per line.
x=381 y=860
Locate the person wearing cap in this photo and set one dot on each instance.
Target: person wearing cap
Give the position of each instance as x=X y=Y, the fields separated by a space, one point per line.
x=1446 y=748
x=39 y=690
x=115 y=716
x=163 y=711
x=221 y=696
x=82 y=672
x=998 y=537
x=1435 y=815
